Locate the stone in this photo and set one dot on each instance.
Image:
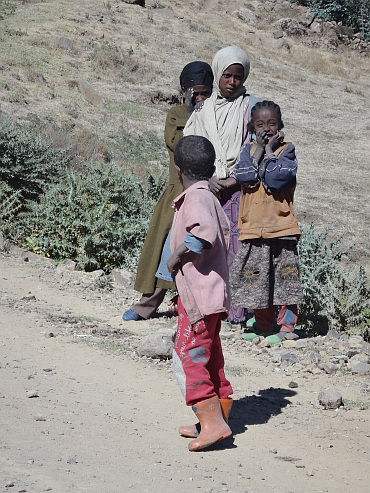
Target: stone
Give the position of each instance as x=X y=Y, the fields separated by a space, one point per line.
x=33 y=257
x=141 y=3
x=330 y=399
x=289 y=344
x=158 y=345
x=332 y=334
x=278 y=34
x=291 y=27
x=328 y=368
x=64 y=43
x=264 y=343
x=360 y=368
x=306 y=19
x=246 y=15
x=68 y=264
x=89 y=92
x=289 y=358
x=122 y=277
x=98 y=273
x=311 y=357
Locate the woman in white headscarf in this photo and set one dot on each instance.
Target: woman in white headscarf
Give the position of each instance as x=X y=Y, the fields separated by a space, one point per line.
x=223 y=120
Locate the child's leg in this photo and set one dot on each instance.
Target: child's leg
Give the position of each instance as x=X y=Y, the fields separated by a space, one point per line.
x=265 y=318
x=193 y=347
x=216 y=364
x=148 y=304
x=287 y=317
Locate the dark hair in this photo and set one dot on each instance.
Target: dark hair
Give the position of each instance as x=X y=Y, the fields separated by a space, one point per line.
x=195 y=156
x=265 y=104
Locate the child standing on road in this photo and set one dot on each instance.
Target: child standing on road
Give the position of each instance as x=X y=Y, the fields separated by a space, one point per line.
x=265 y=271
x=199 y=241
x=196 y=81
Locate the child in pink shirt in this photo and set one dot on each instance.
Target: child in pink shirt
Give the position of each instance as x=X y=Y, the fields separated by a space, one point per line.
x=199 y=241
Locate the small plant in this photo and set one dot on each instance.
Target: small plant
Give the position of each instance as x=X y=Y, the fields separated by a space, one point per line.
x=334 y=297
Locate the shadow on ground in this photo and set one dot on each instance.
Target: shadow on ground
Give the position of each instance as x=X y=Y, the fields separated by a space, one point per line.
x=254 y=410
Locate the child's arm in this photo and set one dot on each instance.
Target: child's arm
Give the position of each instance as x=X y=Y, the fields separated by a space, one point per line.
x=279 y=173
x=246 y=168
x=191 y=243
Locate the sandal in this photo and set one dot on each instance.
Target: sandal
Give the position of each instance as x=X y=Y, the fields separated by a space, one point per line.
x=131 y=315
x=249 y=336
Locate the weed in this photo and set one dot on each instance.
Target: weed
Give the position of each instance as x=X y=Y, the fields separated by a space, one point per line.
x=240 y=371
x=333 y=297
x=362 y=404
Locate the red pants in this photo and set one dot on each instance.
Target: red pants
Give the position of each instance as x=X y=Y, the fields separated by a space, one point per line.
x=287 y=318
x=198 y=351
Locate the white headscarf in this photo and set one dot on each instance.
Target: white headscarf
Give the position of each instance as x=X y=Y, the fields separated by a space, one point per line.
x=221 y=120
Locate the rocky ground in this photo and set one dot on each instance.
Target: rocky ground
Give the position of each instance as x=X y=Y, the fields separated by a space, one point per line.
x=82 y=411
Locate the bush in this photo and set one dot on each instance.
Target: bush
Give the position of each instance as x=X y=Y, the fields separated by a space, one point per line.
x=27 y=163
x=98 y=219
x=352 y=13
x=334 y=297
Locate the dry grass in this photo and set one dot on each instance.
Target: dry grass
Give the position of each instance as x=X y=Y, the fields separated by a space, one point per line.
x=130 y=54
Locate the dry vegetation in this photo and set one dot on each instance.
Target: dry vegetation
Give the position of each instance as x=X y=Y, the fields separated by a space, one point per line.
x=132 y=56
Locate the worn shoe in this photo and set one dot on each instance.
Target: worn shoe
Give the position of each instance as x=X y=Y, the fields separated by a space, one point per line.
x=212 y=424
x=193 y=431
x=131 y=315
x=249 y=336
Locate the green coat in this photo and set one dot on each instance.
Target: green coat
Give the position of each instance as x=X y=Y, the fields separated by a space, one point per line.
x=162 y=217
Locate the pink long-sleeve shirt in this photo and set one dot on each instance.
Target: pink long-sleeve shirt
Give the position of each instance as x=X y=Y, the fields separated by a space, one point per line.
x=203 y=279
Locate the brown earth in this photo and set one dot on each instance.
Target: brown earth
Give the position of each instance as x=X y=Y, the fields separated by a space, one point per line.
x=80 y=411
x=106 y=70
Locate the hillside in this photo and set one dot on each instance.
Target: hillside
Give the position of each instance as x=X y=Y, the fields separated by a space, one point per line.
x=102 y=76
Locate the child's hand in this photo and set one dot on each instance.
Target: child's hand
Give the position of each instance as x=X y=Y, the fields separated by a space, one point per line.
x=261 y=138
x=274 y=142
x=173 y=263
x=215 y=184
x=199 y=105
x=189 y=100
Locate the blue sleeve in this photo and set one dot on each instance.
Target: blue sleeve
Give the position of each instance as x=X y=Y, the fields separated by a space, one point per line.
x=194 y=243
x=246 y=169
x=279 y=173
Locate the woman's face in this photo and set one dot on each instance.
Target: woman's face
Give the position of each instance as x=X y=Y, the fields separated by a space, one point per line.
x=231 y=80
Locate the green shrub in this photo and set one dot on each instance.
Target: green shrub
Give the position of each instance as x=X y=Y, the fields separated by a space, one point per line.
x=27 y=163
x=334 y=297
x=352 y=13
x=98 y=219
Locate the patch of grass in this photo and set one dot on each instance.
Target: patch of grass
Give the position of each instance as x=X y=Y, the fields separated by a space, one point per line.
x=71 y=319
x=361 y=404
x=108 y=345
x=240 y=371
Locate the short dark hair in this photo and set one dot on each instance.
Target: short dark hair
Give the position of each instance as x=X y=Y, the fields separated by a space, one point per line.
x=195 y=156
x=265 y=104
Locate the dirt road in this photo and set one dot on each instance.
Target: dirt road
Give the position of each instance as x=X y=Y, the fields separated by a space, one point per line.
x=80 y=412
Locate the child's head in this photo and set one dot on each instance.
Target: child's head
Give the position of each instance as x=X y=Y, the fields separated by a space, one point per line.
x=265 y=115
x=199 y=77
x=230 y=67
x=195 y=157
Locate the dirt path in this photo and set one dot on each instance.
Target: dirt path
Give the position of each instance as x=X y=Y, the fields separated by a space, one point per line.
x=104 y=420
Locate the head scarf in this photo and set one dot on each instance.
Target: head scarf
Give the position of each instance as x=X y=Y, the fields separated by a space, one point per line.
x=226 y=57
x=221 y=120
x=196 y=74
